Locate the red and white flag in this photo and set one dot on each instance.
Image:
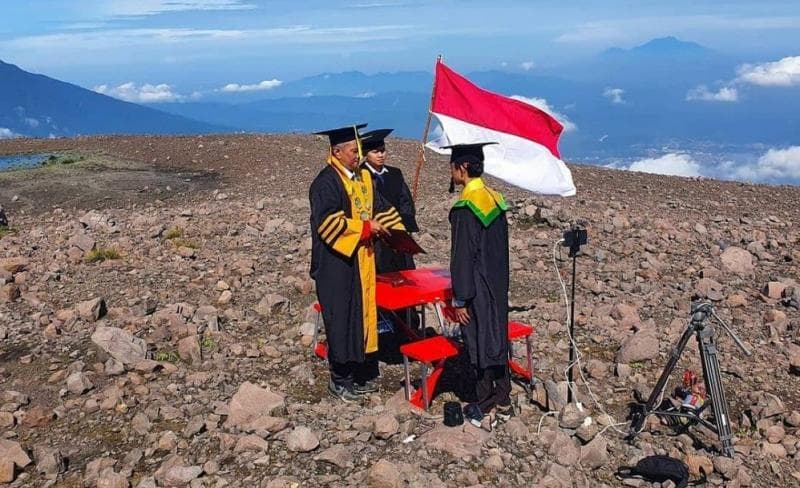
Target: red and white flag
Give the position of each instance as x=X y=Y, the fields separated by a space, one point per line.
x=527 y=151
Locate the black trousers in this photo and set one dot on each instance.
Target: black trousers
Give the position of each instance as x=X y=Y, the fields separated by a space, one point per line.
x=345 y=374
x=493 y=387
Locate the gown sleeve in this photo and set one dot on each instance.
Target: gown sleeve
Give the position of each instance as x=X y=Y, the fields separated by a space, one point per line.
x=465 y=232
x=386 y=214
x=329 y=220
x=405 y=205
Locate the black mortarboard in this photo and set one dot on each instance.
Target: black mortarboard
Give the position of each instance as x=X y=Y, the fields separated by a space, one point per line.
x=469 y=153
x=374 y=139
x=343 y=134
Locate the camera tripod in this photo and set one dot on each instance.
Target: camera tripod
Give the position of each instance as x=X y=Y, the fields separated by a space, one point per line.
x=720 y=421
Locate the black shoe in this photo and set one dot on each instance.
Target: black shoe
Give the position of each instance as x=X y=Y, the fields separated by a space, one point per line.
x=504 y=413
x=365 y=388
x=472 y=413
x=342 y=392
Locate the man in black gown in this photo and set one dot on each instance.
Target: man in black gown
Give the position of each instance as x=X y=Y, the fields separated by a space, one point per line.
x=347 y=215
x=480 y=275
x=390 y=184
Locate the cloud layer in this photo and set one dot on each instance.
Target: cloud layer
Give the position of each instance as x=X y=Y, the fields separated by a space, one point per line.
x=785 y=72
x=673 y=164
x=702 y=93
x=262 y=86
x=776 y=166
x=614 y=94
x=7 y=133
x=147 y=93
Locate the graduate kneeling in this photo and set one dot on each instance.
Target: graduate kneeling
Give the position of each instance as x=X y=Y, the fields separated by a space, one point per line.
x=479 y=271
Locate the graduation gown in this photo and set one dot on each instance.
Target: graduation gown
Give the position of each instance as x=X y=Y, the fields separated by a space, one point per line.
x=479 y=271
x=342 y=265
x=392 y=186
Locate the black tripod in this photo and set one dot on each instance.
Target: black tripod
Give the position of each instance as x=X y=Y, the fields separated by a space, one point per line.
x=701 y=312
x=573 y=239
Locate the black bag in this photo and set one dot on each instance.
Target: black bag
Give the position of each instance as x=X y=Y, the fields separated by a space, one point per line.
x=453 y=416
x=658 y=468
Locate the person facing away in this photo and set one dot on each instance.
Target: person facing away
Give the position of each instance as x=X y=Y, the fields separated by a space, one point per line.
x=346 y=217
x=480 y=275
x=390 y=183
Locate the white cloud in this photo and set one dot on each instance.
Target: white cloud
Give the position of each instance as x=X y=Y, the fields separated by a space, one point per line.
x=614 y=94
x=593 y=33
x=702 y=93
x=130 y=8
x=542 y=104
x=369 y=94
x=673 y=164
x=112 y=40
x=776 y=165
x=785 y=72
x=7 y=133
x=31 y=122
x=147 y=93
x=261 y=86
x=527 y=65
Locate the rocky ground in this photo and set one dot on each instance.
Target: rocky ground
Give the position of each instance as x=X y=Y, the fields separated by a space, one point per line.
x=155 y=325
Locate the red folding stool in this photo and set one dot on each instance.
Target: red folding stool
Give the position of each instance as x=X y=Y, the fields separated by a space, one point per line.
x=434 y=352
x=319 y=348
x=517 y=331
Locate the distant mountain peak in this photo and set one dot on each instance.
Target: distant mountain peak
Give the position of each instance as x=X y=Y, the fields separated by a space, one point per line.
x=662 y=46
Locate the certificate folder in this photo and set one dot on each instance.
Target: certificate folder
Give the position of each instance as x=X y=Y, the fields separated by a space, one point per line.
x=401 y=241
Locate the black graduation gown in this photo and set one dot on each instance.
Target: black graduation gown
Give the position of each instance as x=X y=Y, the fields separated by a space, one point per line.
x=337 y=277
x=479 y=272
x=394 y=189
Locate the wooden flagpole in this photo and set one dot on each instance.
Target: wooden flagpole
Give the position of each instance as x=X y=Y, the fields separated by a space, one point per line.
x=421 y=155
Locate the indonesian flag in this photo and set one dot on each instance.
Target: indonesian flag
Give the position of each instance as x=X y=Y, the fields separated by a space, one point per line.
x=527 y=151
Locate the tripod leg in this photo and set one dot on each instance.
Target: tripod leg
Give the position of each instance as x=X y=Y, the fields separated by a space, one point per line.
x=637 y=420
x=716 y=393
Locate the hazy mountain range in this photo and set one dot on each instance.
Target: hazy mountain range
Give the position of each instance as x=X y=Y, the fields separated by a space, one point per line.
x=664 y=95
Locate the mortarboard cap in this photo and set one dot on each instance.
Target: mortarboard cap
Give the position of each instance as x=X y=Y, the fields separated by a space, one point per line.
x=374 y=139
x=472 y=153
x=342 y=134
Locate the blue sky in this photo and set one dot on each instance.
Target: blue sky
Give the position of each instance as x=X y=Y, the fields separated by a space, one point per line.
x=202 y=44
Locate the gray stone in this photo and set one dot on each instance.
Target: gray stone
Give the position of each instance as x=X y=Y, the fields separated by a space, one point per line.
x=250 y=442
x=82 y=241
x=272 y=304
x=49 y=461
x=641 y=346
x=189 y=350
x=737 y=261
x=459 y=442
x=385 y=426
x=174 y=472
x=120 y=344
x=92 y=310
x=338 y=455
x=251 y=402
x=570 y=417
x=302 y=439
x=13 y=452
x=78 y=383
x=384 y=474
x=595 y=453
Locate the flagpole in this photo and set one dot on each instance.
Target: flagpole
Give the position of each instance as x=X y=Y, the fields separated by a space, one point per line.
x=421 y=155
